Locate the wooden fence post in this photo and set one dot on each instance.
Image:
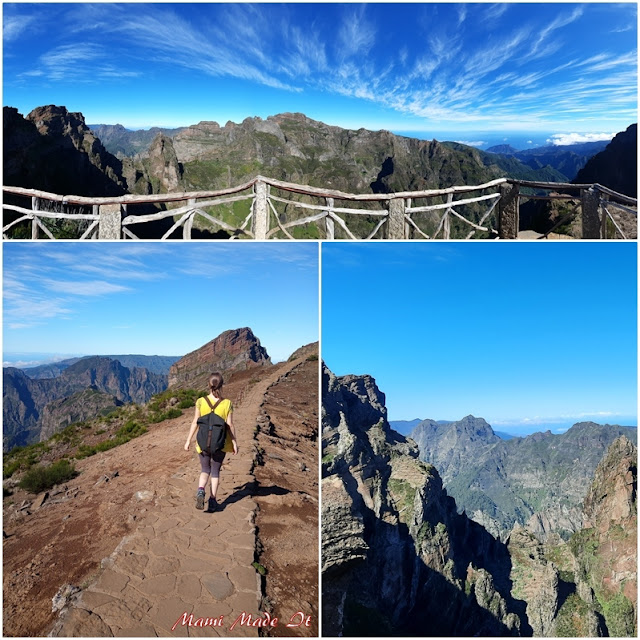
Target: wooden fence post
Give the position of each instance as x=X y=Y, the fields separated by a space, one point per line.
x=330 y=225
x=509 y=211
x=260 y=224
x=590 y=216
x=188 y=225
x=396 y=219
x=34 y=223
x=110 y=224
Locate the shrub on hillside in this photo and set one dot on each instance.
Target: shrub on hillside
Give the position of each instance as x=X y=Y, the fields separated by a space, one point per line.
x=39 y=478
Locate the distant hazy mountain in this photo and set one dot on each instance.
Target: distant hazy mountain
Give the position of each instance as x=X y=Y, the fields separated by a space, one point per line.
x=540 y=480
x=157 y=364
x=128 y=142
x=566 y=159
x=503 y=149
x=510 y=165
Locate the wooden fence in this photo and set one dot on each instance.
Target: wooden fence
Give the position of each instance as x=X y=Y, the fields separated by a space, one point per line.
x=279 y=209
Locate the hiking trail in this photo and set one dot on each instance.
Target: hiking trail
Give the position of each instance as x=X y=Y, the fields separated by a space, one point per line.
x=180 y=560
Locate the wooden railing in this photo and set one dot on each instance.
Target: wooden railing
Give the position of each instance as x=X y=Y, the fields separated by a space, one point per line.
x=288 y=210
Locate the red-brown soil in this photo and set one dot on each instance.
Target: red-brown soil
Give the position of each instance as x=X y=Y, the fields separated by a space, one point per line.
x=287 y=519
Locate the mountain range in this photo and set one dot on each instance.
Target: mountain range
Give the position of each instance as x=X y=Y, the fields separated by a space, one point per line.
x=27 y=401
x=41 y=401
x=567 y=159
x=534 y=481
x=156 y=364
x=399 y=558
x=54 y=150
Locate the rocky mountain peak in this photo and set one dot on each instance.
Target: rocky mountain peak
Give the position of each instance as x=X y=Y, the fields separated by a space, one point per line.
x=53 y=149
x=232 y=350
x=55 y=120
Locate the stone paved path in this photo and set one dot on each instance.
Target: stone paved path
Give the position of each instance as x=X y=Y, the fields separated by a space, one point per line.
x=182 y=560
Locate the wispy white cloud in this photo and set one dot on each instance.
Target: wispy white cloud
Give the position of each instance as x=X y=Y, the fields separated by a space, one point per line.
x=493 y=12
x=356 y=35
x=84 y=287
x=14 y=26
x=559 y=22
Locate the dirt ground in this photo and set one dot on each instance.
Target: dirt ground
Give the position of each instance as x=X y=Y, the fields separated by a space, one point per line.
x=288 y=520
x=65 y=539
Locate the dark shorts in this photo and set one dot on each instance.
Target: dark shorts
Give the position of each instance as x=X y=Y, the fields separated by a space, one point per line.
x=205 y=460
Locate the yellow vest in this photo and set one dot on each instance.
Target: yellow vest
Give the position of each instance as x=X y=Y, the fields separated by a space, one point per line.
x=223 y=410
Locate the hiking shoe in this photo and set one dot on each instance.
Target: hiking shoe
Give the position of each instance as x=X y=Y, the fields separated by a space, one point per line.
x=200 y=499
x=213 y=505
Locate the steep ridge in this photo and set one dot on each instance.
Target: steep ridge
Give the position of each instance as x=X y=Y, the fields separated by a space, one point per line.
x=233 y=350
x=533 y=481
x=132 y=539
x=397 y=558
x=288 y=513
x=24 y=399
x=616 y=166
x=588 y=585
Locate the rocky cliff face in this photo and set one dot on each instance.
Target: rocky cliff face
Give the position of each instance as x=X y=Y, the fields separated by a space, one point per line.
x=233 y=350
x=53 y=150
x=397 y=558
x=617 y=166
x=26 y=401
x=295 y=148
x=605 y=551
x=533 y=481
x=82 y=405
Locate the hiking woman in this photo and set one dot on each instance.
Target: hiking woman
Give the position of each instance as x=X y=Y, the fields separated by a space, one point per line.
x=210 y=464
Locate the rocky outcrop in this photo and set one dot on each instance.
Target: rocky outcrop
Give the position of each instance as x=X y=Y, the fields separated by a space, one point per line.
x=24 y=400
x=54 y=150
x=233 y=350
x=163 y=167
x=397 y=558
x=532 y=481
x=586 y=587
x=617 y=166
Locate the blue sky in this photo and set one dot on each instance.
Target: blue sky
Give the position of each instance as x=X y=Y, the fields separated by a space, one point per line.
x=156 y=299
x=527 y=335
x=436 y=70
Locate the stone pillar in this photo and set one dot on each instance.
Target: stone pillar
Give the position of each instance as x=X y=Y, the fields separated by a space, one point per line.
x=329 y=223
x=110 y=224
x=396 y=219
x=260 y=224
x=509 y=211
x=590 y=215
